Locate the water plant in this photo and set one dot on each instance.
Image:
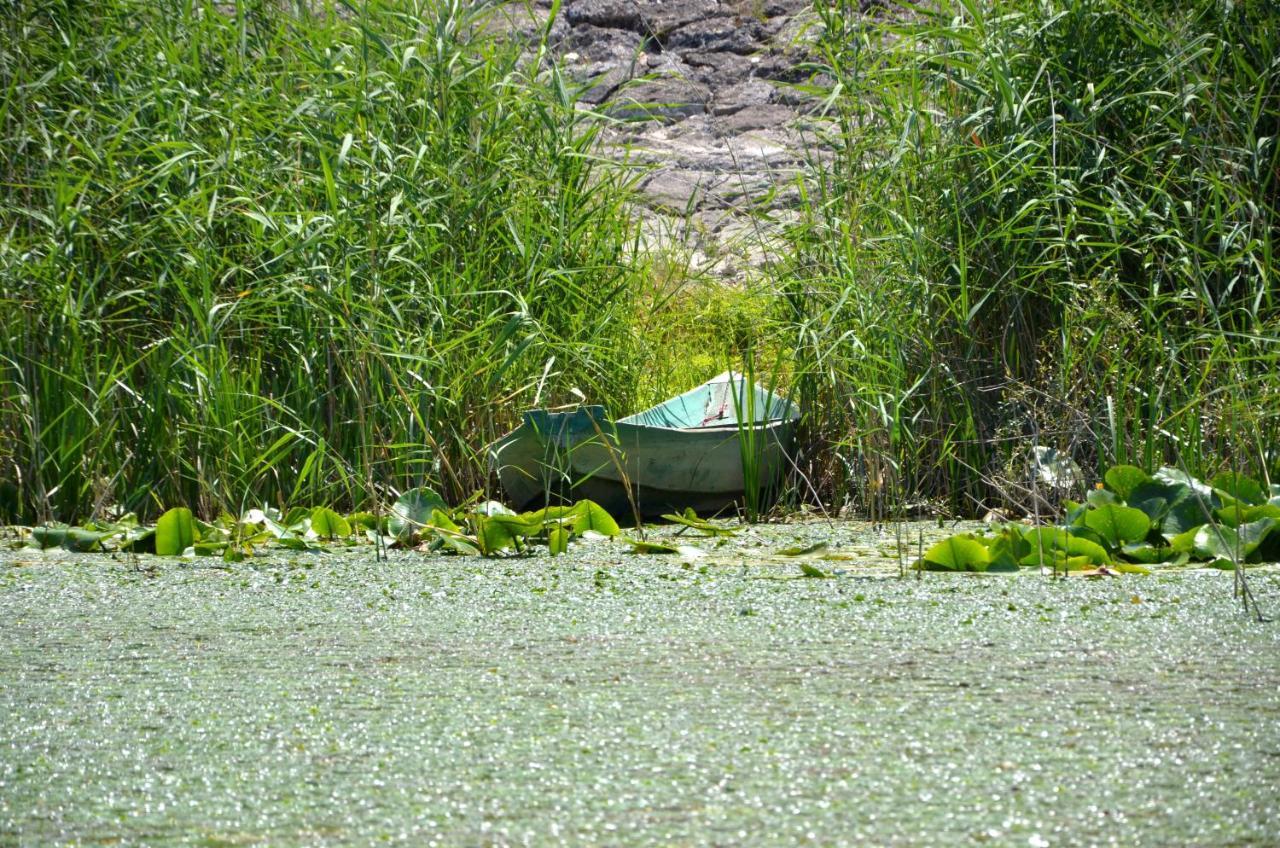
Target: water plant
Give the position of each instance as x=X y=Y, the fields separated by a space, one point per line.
x=1041 y=223
x=420 y=518
x=1134 y=522
x=280 y=253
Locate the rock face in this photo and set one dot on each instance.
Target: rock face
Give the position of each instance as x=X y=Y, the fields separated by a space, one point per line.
x=701 y=90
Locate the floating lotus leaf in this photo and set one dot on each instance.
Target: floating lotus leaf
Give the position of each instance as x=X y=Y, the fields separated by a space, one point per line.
x=1048 y=539
x=1123 y=479
x=412 y=511
x=1240 y=487
x=1233 y=543
x=957 y=553
x=1118 y=524
x=175 y=532
x=328 y=524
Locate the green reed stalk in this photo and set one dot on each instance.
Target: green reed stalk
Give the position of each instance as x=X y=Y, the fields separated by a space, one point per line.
x=287 y=254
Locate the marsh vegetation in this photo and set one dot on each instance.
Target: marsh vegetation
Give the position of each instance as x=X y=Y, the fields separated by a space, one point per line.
x=266 y=254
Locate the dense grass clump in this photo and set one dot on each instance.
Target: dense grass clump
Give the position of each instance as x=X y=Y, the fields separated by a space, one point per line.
x=258 y=252
x=1048 y=223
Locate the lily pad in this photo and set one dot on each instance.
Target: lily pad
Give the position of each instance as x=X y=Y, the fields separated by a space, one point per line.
x=1234 y=543
x=328 y=524
x=589 y=515
x=1117 y=524
x=1143 y=552
x=640 y=546
x=412 y=511
x=1240 y=487
x=558 y=540
x=1101 y=497
x=691 y=520
x=175 y=532
x=958 y=553
x=1123 y=479
x=1043 y=540
x=811 y=550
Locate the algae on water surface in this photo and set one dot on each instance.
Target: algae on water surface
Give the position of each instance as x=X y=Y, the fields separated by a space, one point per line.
x=611 y=697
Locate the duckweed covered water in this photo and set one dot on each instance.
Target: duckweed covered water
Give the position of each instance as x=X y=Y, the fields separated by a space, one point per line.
x=607 y=698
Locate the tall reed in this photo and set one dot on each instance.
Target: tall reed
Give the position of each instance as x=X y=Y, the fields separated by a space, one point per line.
x=1042 y=221
x=266 y=252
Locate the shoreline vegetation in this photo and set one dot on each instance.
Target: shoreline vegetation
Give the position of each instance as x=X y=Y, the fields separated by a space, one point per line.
x=258 y=255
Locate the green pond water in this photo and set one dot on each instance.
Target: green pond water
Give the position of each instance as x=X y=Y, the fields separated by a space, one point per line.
x=608 y=698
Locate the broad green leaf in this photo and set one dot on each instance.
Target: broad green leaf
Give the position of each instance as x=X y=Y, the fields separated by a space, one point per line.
x=1006 y=549
x=958 y=553
x=440 y=520
x=1240 y=487
x=1082 y=532
x=275 y=528
x=328 y=524
x=1058 y=561
x=1174 y=507
x=492 y=536
x=1189 y=512
x=1099 y=497
x=1234 y=543
x=175 y=532
x=639 y=546
x=548 y=513
x=1046 y=558
x=1185 y=542
x=49 y=536
x=690 y=519
x=815 y=548
x=518 y=526
x=558 y=540
x=1153 y=498
x=128 y=521
x=1176 y=476
x=1118 y=524
x=75 y=539
x=1266 y=510
x=412 y=511
x=1130 y=568
x=1123 y=479
x=1049 y=539
x=589 y=515
x=367 y=520
x=1003 y=565
x=1142 y=552
x=296 y=518
x=458 y=542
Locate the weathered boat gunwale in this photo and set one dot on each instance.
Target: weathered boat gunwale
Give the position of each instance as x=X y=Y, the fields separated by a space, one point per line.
x=562 y=455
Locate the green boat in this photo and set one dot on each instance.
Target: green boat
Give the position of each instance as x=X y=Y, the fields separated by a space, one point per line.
x=686 y=452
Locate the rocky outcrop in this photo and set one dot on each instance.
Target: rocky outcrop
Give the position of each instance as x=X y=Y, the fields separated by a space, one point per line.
x=702 y=97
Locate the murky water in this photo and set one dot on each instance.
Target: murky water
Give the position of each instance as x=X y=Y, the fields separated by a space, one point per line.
x=607 y=698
